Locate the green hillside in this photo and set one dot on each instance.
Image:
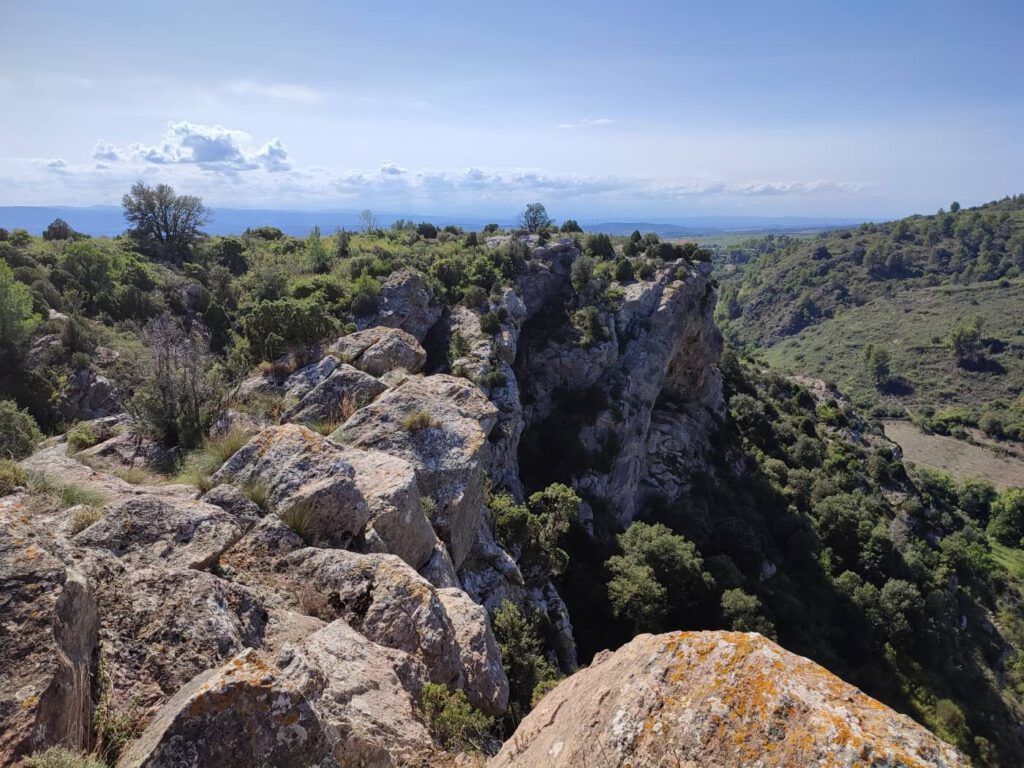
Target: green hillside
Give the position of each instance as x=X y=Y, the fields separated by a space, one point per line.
x=814 y=305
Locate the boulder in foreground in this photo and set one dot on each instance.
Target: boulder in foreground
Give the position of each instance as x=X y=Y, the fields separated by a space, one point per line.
x=716 y=699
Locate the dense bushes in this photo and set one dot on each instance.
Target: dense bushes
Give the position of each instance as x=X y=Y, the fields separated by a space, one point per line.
x=18 y=431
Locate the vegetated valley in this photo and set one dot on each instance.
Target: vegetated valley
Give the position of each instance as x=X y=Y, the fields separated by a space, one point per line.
x=459 y=466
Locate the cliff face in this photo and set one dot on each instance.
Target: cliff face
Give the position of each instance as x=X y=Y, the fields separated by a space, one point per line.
x=715 y=699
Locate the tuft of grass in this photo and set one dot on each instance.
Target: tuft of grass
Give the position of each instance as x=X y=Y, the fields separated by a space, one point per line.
x=257 y=492
x=325 y=427
x=301 y=517
x=418 y=420
x=136 y=475
x=429 y=506
x=84 y=517
x=200 y=464
x=59 y=757
x=73 y=494
x=11 y=476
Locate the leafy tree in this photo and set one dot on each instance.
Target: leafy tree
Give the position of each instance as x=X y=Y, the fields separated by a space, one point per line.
x=58 y=229
x=18 y=431
x=876 y=362
x=535 y=218
x=525 y=666
x=742 y=612
x=427 y=230
x=342 y=239
x=316 y=251
x=17 y=321
x=965 y=342
x=369 y=219
x=954 y=207
x=569 y=226
x=532 y=532
x=652 y=553
x=600 y=246
x=900 y=604
x=1006 y=522
x=163 y=223
x=90 y=268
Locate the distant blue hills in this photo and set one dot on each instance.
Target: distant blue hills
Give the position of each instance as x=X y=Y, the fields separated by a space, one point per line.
x=108 y=220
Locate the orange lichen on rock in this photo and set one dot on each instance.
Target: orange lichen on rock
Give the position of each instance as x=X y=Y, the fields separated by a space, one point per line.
x=716 y=699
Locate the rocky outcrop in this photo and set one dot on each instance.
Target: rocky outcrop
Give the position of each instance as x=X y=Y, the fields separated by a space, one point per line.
x=338 y=495
x=89 y=395
x=240 y=715
x=483 y=678
x=182 y=534
x=715 y=699
x=380 y=350
x=48 y=640
x=439 y=424
x=405 y=302
x=336 y=397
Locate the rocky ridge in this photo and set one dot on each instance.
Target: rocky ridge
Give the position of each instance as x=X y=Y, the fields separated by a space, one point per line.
x=302 y=630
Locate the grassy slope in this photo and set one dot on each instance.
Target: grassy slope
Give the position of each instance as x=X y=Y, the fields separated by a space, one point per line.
x=913 y=325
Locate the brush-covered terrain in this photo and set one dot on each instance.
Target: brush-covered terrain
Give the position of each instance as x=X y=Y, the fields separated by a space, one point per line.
x=917 y=317
x=369 y=497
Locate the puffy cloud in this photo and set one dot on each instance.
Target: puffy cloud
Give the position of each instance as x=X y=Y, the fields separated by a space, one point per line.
x=56 y=164
x=211 y=147
x=389 y=168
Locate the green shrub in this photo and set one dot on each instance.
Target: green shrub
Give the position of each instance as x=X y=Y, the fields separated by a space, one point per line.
x=58 y=757
x=11 y=476
x=18 y=431
x=525 y=666
x=454 y=723
x=490 y=324
x=81 y=437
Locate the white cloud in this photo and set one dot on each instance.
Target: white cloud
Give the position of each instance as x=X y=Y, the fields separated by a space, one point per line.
x=301 y=94
x=586 y=122
x=211 y=147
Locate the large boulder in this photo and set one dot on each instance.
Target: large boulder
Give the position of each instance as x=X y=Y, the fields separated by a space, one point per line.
x=715 y=699
x=366 y=696
x=406 y=302
x=439 y=424
x=237 y=716
x=181 y=533
x=162 y=626
x=338 y=495
x=484 y=680
x=337 y=397
x=48 y=639
x=379 y=350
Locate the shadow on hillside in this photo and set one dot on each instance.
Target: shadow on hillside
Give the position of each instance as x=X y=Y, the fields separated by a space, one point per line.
x=897 y=386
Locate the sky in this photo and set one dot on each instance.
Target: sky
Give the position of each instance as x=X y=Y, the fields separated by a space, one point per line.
x=871 y=109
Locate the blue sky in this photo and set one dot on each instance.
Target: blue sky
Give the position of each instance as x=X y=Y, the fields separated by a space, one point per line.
x=829 y=108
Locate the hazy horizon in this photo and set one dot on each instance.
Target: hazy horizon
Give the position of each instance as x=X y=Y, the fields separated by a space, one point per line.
x=597 y=110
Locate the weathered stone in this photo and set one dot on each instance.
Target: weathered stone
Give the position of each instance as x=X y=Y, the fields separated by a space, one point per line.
x=385 y=600
x=161 y=626
x=183 y=534
x=338 y=495
x=89 y=395
x=241 y=715
x=235 y=503
x=337 y=397
x=715 y=699
x=128 y=449
x=366 y=697
x=448 y=448
x=48 y=638
x=484 y=680
x=379 y=350
x=406 y=302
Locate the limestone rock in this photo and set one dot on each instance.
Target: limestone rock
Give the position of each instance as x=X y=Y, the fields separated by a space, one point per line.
x=485 y=683
x=406 y=302
x=235 y=503
x=715 y=699
x=379 y=350
x=338 y=494
x=48 y=638
x=184 y=534
x=364 y=695
x=449 y=453
x=241 y=715
x=89 y=395
x=336 y=397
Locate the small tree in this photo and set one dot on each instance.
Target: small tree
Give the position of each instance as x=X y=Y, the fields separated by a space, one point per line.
x=876 y=362
x=369 y=219
x=535 y=218
x=965 y=342
x=163 y=223
x=18 y=431
x=570 y=225
x=319 y=259
x=59 y=230
x=17 y=321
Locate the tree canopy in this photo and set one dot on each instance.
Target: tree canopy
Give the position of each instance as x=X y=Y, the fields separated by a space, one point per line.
x=164 y=224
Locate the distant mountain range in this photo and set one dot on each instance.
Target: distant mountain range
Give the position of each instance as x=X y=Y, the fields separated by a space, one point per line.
x=107 y=220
